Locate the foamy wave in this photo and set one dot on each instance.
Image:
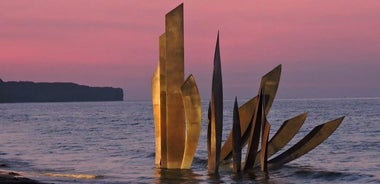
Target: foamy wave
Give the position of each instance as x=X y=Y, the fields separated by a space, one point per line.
x=76 y=176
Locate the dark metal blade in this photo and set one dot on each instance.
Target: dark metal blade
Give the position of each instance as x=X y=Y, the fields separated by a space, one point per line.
x=216 y=123
x=309 y=142
x=236 y=139
x=284 y=135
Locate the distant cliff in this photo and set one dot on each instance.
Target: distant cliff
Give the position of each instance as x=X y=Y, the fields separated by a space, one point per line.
x=55 y=92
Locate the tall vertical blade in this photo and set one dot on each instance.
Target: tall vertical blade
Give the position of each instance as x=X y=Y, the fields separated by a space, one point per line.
x=156 y=114
x=284 y=135
x=193 y=115
x=236 y=139
x=162 y=93
x=268 y=89
x=216 y=123
x=269 y=84
x=265 y=127
x=254 y=137
x=309 y=142
x=175 y=114
x=246 y=112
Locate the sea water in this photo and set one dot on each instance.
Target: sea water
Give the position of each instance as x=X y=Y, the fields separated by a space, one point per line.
x=113 y=142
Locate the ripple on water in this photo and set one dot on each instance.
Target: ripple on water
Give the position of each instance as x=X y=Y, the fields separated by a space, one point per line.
x=116 y=140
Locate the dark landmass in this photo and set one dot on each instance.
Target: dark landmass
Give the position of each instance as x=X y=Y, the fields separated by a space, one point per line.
x=11 y=92
x=15 y=178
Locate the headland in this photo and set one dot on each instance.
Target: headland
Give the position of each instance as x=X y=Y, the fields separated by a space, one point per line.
x=26 y=91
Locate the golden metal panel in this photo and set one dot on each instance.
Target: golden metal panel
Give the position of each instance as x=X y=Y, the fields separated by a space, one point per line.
x=156 y=113
x=163 y=123
x=216 y=121
x=306 y=144
x=269 y=85
x=174 y=50
x=175 y=115
x=284 y=135
x=162 y=63
x=246 y=112
x=193 y=115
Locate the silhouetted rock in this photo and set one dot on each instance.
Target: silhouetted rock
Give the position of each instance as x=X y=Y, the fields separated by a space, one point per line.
x=15 y=178
x=55 y=92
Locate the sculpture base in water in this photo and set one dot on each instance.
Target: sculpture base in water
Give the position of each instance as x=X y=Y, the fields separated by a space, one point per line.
x=177 y=115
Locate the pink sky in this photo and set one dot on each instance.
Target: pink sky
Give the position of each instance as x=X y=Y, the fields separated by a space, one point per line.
x=328 y=48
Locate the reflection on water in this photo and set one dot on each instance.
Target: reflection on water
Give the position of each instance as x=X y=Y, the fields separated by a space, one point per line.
x=115 y=140
x=189 y=176
x=176 y=176
x=76 y=176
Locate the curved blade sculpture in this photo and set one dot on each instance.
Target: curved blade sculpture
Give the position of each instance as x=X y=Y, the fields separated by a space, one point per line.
x=254 y=137
x=268 y=89
x=310 y=141
x=215 y=125
x=157 y=113
x=284 y=135
x=193 y=114
x=269 y=86
x=176 y=104
x=270 y=82
x=177 y=114
x=246 y=112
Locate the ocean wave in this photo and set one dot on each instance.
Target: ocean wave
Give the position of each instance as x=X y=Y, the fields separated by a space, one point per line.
x=76 y=176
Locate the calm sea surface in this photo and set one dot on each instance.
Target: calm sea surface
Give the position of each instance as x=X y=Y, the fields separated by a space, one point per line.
x=113 y=142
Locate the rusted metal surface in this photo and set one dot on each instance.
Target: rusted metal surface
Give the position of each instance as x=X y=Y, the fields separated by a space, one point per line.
x=216 y=121
x=284 y=135
x=236 y=139
x=309 y=142
x=193 y=116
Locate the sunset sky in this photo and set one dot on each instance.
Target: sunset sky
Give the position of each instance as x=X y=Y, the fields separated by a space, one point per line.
x=327 y=48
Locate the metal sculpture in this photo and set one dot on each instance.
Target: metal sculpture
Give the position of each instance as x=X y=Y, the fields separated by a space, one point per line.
x=236 y=139
x=254 y=137
x=177 y=110
x=310 y=141
x=215 y=126
x=177 y=115
x=193 y=115
x=246 y=112
x=283 y=136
